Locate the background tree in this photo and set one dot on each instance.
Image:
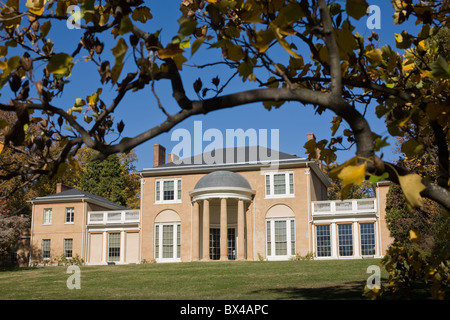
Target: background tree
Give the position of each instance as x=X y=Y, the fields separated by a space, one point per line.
x=12 y=226
x=105 y=179
x=114 y=179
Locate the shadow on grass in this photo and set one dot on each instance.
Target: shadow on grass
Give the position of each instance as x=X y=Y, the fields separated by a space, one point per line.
x=346 y=291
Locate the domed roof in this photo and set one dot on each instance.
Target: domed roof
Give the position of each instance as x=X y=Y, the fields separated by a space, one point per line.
x=220 y=179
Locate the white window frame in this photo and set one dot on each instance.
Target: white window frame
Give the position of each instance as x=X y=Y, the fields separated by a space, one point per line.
x=290 y=239
x=176 y=256
x=72 y=215
x=47 y=217
x=176 y=184
x=288 y=193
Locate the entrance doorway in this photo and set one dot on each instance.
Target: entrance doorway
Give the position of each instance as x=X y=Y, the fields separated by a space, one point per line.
x=214 y=243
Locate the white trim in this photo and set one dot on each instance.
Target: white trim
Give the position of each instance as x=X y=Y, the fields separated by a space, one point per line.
x=175 y=243
x=289 y=236
x=287 y=184
x=161 y=181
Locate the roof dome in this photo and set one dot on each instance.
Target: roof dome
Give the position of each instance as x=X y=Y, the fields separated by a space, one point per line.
x=221 y=179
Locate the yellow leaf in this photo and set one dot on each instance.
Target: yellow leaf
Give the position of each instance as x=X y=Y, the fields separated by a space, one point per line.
x=414 y=235
x=2 y=145
x=283 y=42
x=422 y=45
x=351 y=175
x=412 y=186
x=36 y=6
x=376 y=55
x=170 y=51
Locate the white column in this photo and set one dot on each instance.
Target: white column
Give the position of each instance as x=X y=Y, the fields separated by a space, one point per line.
x=223 y=229
x=195 y=232
x=105 y=247
x=241 y=228
x=334 y=240
x=205 y=246
x=122 y=246
x=356 y=251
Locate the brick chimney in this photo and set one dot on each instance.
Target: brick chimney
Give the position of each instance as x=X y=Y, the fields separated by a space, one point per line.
x=311 y=136
x=172 y=157
x=60 y=187
x=159 y=155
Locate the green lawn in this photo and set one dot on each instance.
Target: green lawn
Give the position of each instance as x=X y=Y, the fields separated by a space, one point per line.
x=255 y=280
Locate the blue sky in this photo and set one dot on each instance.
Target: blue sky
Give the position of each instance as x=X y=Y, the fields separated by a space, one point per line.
x=293 y=120
x=139 y=110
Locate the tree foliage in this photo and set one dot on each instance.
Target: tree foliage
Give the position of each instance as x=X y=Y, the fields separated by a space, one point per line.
x=306 y=51
x=114 y=179
x=11 y=228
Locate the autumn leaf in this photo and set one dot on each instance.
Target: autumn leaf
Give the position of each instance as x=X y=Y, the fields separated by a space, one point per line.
x=234 y=52
x=352 y=175
x=60 y=64
x=141 y=14
x=170 y=51
x=356 y=8
x=283 y=42
x=196 y=45
x=412 y=186
x=36 y=6
x=414 y=235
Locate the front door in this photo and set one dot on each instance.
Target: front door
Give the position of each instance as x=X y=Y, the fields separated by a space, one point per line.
x=214 y=243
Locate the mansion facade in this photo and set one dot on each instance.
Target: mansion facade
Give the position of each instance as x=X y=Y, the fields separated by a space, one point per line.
x=191 y=210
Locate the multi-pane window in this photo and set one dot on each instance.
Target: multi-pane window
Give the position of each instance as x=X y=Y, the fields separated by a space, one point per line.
x=323 y=240
x=367 y=235
x=46 y=249
x=68 y=243
x=114 y=247
x=168 y=190
x=47 y=216
x=345 y=236
x=167 y=241
x=280 y=237
x=214 y=243
x=69 y=215
x=279 y=184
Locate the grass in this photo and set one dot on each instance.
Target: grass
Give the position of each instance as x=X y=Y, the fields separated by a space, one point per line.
x=249 y=280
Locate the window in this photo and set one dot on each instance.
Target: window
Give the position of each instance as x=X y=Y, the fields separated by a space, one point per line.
x=323 y=241
x=167 y=241
x=345 y=235
x=69 y=215
x=168 y=190
x=367 y=232
x=280 y=238
x=279 y=184
x=68 y=248
x=47 y=216
x=114 y=247
x=46 y=249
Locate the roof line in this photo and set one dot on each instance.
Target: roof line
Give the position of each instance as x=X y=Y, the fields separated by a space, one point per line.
x=233 y=164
